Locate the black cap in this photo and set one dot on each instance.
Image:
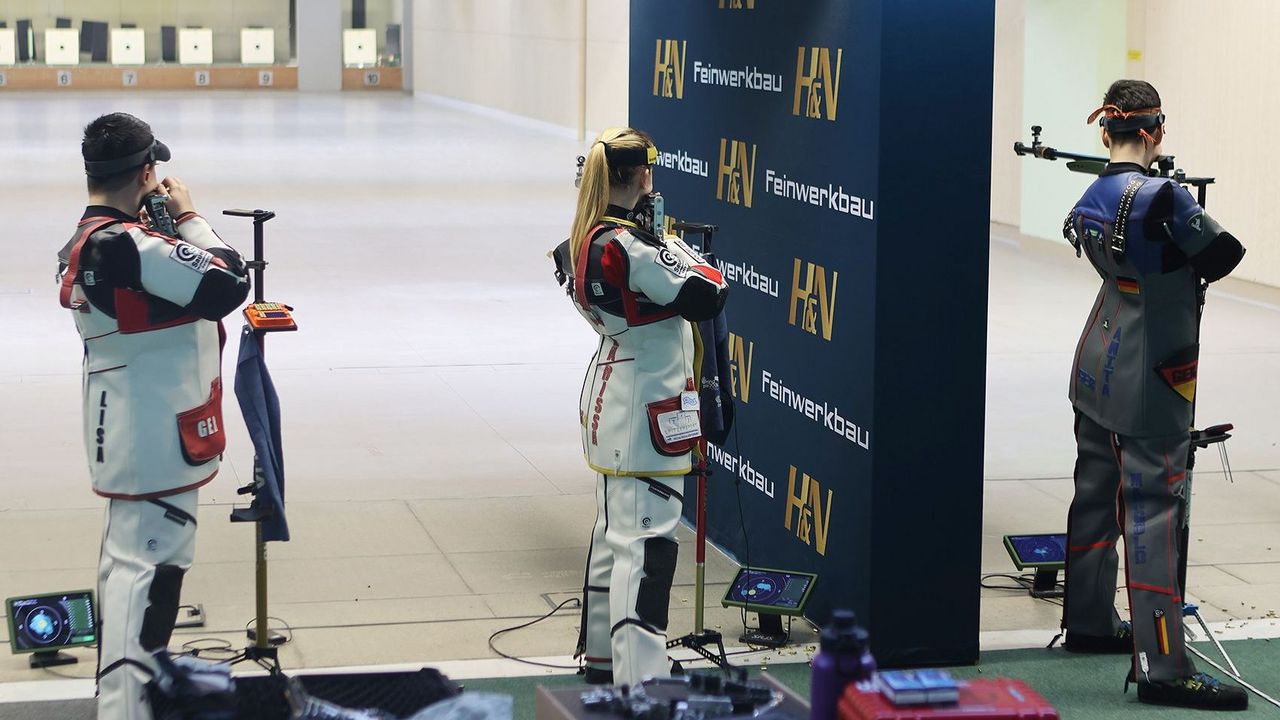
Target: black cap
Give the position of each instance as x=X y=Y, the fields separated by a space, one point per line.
x=842 y=634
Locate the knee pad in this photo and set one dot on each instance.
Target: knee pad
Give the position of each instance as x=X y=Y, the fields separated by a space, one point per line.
x=655 y=586
x=162 y=608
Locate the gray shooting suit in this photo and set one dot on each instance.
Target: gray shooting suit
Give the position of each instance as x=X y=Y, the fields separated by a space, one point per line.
x=1133 y=388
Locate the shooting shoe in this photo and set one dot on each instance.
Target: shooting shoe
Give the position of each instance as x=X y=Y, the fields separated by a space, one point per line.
x=1201 y=691
x=1119 y=644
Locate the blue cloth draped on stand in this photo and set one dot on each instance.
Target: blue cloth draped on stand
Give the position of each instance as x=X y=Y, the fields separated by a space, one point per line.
x=261 y=409
x=714 y=393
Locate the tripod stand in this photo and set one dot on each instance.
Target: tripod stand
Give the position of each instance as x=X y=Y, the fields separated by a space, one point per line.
x=701 y=639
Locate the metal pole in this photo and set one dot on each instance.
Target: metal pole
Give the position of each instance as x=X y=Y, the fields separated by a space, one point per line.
x=258 y=291
x=700 y=566
x=261 y=636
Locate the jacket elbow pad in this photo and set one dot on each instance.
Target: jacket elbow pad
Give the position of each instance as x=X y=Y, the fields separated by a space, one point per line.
x=1219 y=258
x=700 y=299
x=221 y=291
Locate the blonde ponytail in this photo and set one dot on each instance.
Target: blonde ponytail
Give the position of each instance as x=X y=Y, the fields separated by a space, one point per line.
x=597 y=177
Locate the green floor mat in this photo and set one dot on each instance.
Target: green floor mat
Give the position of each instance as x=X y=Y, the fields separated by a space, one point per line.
x=1082 y=687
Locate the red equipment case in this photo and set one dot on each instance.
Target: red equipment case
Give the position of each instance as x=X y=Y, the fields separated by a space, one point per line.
x=983 y=699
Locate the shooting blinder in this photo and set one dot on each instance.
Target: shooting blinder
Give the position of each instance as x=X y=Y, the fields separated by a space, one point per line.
x=630 y=157
x=153 y=153
x=620 y=157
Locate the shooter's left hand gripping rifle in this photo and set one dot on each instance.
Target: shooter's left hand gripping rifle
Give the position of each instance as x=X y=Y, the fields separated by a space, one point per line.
x=1164 y=168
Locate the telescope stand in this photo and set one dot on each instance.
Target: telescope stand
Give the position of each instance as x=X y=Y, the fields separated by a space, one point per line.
x=700 y=639
x=263 y=650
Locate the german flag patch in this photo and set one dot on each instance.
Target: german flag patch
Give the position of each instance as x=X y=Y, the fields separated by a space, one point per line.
x=1180 y=372
x=1128 y=286
x=1162 y=632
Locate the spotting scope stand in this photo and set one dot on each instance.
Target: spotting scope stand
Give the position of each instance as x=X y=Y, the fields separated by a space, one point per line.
x=701 y=640
x=263 y=649
x=1200 y=439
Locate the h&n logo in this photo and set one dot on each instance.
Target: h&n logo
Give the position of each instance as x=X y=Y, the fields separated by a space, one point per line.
x=811 y=302
x=738 y=170
x=738 y=4
x=668 y=68
x=823 y=86
x=740 y=354
x=806 y=506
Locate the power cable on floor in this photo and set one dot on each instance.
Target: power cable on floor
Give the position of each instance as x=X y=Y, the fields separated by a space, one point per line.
x=65 y=676
x=1022 y=583
x=283 y=626
x=221 y=649
x=742 y=522
x=577 y=604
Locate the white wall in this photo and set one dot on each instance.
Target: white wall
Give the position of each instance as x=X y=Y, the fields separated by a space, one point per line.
x=1217 y=67
x=1006 y=117
x=1074 y=49
x=608 y=60
x=511 y=55
x=524 y=57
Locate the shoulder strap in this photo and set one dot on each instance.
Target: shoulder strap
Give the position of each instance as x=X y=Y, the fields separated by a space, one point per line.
x=1122 y=217
x=584 y=258
x=73 y=261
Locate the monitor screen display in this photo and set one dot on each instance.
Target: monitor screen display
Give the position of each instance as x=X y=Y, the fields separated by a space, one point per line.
x=50 y=622
x=774 y=591
x=1046 y=550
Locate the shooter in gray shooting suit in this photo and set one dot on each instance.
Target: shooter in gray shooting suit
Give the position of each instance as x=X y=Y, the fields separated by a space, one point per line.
x=1133 y=387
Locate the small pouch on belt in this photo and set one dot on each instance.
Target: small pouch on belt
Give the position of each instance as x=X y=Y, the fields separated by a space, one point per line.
x=200 y=429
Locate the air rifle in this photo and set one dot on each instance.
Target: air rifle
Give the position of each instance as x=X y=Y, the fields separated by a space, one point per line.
x=1094 y=164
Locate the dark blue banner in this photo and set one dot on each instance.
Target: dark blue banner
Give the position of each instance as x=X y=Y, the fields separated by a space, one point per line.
x=770 y=121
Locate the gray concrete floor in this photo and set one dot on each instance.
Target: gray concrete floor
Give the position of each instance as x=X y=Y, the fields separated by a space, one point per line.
x=437 y=491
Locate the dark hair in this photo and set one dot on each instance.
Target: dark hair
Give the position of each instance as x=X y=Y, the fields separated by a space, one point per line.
x=113 y=136
x=1130 y=95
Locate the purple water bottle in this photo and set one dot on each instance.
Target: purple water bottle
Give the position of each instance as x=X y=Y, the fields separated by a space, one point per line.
x=844 y=656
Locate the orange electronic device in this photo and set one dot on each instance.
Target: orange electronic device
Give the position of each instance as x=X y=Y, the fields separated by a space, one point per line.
x=269 y=317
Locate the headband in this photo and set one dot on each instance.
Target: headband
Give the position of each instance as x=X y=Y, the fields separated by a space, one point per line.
x=1116 y=120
